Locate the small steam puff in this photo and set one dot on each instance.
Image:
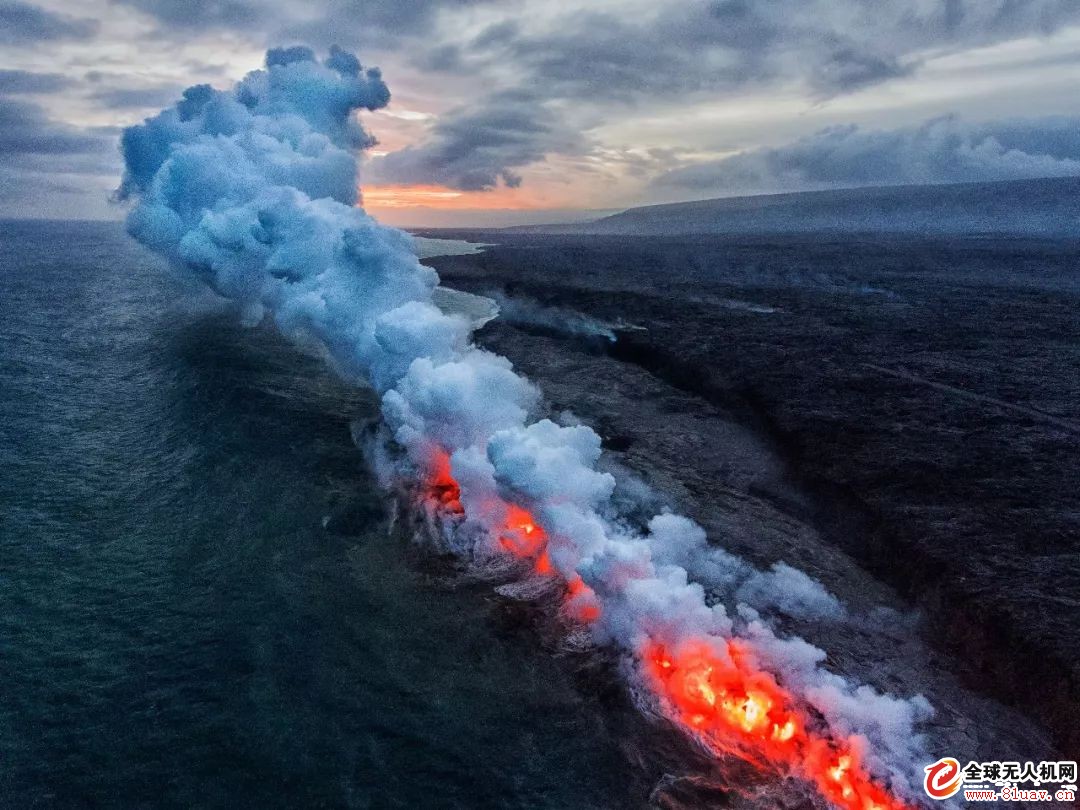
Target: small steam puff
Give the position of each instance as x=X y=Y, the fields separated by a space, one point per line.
x=254 y=191
x=522 y=311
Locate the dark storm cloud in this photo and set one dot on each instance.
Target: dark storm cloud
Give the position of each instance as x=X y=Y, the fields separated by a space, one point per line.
x=698 y=50
x=475 y=147
x=25 y=24
x=845 y=68
x=943 y=150
x=603 y=57
x=440 y=59
x=15 y=186
x=204 y=14
x=13 y=82
x=833 y=46
x=377 y=23
x=26 y=130
x=318 y=22
x=497 y=34
x=42 y=161
x=400 y=16
x=539 y=55
x=121 y=98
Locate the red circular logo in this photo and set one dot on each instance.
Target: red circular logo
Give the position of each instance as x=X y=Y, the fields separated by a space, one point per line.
x=943 y=778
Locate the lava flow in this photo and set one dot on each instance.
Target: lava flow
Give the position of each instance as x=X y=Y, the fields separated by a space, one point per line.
x=719 y=698
x=519 y=535
x=736 y=709
x=440 y=486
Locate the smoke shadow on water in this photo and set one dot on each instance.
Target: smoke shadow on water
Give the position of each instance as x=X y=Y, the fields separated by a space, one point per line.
x=203 y=603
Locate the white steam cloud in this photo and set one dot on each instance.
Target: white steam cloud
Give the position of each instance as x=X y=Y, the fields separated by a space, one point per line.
x=523 y=311
x=254 y=191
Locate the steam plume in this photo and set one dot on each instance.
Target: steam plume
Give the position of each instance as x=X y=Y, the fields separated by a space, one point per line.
x=254 y=190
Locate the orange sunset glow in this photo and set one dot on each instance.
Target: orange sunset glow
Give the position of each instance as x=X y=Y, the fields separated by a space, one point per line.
x=397 y=197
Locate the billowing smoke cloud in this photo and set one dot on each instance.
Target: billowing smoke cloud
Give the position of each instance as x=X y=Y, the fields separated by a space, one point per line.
x=252 y=190
x=943 y=150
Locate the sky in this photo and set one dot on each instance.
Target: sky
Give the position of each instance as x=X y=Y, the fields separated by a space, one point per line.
x=517 y=111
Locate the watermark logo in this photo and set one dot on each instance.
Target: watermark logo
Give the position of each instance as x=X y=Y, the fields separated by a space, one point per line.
x=943 y=779
x=1000 y=781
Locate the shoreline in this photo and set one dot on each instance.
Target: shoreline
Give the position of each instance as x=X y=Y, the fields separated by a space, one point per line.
x=976 y=631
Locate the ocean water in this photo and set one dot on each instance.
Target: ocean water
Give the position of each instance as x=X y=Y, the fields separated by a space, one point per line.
x=203 y=602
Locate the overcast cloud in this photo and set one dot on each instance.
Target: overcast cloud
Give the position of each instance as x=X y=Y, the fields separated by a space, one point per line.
x=944 y=150
x=475 y=147
x=24 y=23
x=594 y=104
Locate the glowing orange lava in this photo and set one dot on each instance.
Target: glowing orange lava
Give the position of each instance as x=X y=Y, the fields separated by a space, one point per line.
x=722 y=699
x=581 y=603
x=736 y=709
x=543 y=565
x=440 y=485
x=520 y=535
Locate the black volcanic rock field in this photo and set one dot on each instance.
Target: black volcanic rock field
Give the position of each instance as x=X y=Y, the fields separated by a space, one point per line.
x=912 y=406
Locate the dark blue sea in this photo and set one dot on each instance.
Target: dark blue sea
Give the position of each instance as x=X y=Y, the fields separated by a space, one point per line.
x=202 y=600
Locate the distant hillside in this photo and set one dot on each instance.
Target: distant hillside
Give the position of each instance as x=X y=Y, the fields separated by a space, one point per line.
x=1047 y=207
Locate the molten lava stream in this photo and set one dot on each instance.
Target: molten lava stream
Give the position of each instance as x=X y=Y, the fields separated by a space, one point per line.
x=520 y=535
x=737 y=710
x=440 y=487
x=523 y=537
x=722 y=700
